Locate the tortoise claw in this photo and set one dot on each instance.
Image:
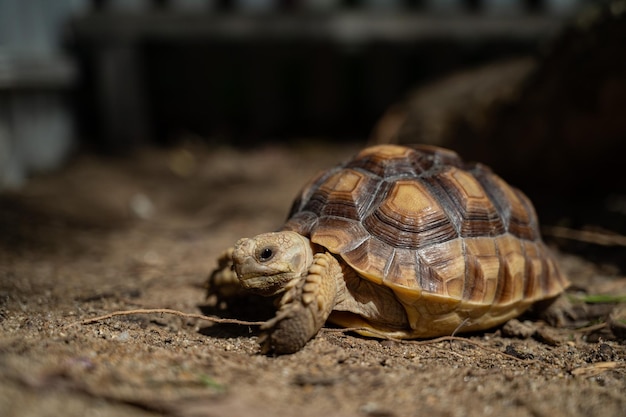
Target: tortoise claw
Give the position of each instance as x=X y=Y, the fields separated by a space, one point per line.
x=304 y=308
x=223 y=282
x=292 y=327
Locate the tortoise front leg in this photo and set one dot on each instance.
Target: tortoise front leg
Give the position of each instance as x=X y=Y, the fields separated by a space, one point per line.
x=304 y=307
x=223 y=282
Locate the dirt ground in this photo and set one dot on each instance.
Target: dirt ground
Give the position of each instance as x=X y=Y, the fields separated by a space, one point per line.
x=110 y=234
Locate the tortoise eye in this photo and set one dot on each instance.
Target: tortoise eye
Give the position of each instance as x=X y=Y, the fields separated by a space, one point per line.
x=266 y=254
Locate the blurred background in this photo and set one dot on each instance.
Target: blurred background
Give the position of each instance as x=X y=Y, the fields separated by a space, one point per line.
x=112 y=74
x=534 y=88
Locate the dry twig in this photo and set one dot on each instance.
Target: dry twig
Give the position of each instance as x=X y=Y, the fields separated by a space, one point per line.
x=169 y=311
x=587 y=236
x=431 y=341
x=596 y=369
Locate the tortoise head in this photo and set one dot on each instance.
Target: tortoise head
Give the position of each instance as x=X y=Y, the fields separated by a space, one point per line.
x=267 y=262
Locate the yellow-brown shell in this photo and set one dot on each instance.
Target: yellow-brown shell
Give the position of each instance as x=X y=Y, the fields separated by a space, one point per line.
x=452 y=240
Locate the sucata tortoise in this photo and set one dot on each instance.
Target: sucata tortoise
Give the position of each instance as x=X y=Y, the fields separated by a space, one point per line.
x=402 y=242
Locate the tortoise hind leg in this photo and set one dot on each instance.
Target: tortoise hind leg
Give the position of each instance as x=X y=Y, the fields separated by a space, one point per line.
x=304 y=307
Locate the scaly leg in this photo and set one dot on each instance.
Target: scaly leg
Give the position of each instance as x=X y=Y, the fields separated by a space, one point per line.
x=223 y=282
x=304 y=307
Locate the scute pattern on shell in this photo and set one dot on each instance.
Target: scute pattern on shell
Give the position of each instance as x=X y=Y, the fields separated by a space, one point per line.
x=421 y=221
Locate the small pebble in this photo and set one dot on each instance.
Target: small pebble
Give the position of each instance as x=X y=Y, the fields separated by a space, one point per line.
x=517 y=329
x=123 y=337
x=141 y=206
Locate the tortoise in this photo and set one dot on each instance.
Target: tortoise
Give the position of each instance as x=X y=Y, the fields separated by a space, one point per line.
x=400 y=242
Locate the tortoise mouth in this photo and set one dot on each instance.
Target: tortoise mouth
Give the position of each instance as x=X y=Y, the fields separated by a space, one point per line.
x=257 y=276
x=263 y=285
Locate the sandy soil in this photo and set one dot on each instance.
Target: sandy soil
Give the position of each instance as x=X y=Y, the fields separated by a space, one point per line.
x=110 y=234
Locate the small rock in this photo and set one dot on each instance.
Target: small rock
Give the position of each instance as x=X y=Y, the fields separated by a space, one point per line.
x=517 y=329
x=375 y=410
x=617 y=322
x=512 y=351
x=548 y=336
x=303 y=380
x=141 y=206
x=603 y=352
x=123 y=337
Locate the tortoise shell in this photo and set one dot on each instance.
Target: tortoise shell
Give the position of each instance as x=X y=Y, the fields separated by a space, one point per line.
x=452 y=240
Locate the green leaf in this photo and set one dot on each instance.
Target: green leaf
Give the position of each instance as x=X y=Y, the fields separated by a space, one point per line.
x=601 y=298
x=209 y=382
